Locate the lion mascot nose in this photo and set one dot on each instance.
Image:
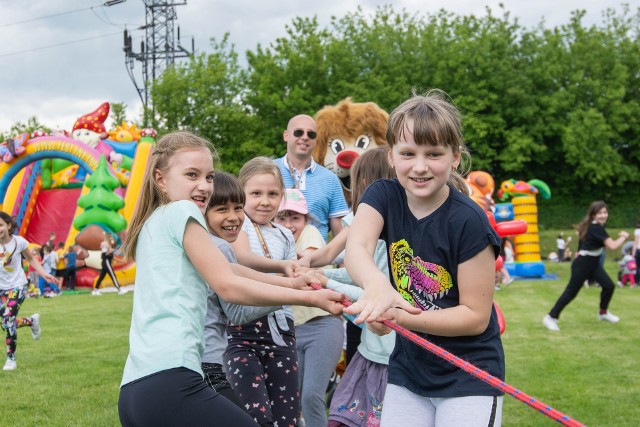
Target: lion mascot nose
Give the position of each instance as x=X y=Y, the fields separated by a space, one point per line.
x=346 y=158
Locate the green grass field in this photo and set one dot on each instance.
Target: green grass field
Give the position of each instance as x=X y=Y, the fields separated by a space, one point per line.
x=589 y=370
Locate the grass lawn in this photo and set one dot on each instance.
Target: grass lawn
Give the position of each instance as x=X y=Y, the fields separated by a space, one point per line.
x=589 y=370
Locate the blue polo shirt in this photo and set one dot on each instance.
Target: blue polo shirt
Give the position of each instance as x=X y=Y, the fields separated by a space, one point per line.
x=323 y=192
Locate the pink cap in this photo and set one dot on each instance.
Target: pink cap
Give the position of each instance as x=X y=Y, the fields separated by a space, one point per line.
x=293 y=200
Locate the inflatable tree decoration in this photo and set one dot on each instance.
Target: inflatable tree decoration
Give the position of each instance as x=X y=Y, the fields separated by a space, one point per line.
x=101 y=204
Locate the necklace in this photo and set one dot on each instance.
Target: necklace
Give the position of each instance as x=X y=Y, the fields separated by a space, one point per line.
x=296 y=175
x=8 y=259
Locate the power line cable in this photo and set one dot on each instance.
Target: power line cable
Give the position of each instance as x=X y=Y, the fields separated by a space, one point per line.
x=68 y=12
x=3 y=55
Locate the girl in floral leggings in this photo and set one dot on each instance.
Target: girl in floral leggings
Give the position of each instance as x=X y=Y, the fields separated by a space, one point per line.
x=13 y=286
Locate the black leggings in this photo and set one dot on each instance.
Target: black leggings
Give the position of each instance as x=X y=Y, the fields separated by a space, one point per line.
x=582 y=268
x=177 y=397
x=107 y=268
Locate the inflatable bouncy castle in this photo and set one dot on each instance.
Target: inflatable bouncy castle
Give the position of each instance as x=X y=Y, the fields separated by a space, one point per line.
x=77 y=185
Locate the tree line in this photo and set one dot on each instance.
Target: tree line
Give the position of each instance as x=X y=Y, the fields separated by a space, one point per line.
x=558 y=104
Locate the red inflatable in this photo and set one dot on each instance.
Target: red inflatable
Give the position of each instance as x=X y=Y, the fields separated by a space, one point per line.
x=501 y=322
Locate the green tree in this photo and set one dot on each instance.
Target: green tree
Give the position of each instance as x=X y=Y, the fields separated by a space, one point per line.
x=118 y=113
x=101 y=204
x=32 y=123
x=206 y=95
x=557 y=104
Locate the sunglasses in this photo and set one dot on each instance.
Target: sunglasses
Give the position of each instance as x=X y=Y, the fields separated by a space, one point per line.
x=310 y=133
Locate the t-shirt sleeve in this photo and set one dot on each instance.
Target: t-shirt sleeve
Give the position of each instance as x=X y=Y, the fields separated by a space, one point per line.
x=310 y=238
x=21 y=243
x=374 y=196
x=176 y=215
x=339 y=205
x=599 y=233
x=484 y=235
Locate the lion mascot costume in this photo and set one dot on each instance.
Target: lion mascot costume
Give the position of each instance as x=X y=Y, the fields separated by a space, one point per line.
x=345 y=131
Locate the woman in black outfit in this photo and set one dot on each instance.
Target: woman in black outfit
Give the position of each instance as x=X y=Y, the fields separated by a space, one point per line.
x=107 y=247
x=593 y=240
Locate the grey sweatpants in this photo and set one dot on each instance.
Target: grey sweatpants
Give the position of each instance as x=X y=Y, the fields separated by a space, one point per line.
x=319 y=344
x=404 y=408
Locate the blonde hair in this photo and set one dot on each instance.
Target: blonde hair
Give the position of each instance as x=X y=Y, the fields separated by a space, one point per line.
x=151 y=197
x=371 y=166
x=259 y=166
x=435 y=122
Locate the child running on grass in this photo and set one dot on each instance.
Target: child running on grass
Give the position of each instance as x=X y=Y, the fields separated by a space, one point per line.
x=175 y=258
x=13 y=286
x=593 y=240
x=442 y=253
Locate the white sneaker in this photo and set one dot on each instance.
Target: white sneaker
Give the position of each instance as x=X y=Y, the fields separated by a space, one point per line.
x=96 y=292
x=10 y=365
x=35 y=326
x=550 y=323
x=609 y=317
x=122 y=291
x=620 y=284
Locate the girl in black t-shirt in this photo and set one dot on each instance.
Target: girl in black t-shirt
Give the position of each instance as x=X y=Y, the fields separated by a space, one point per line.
x=593 y=240
x=442 y=254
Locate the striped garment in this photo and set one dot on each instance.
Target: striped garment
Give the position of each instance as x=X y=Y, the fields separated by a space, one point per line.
x=323 y=192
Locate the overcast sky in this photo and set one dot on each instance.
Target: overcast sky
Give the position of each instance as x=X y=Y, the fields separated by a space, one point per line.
x=61 y=59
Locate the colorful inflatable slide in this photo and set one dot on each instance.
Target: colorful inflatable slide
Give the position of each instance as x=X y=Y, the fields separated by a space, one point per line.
x=76 y=186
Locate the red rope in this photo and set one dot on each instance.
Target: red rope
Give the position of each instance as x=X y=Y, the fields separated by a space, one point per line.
x=479 y=373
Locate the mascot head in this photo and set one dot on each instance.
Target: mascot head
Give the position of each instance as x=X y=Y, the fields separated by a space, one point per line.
x=345 y=131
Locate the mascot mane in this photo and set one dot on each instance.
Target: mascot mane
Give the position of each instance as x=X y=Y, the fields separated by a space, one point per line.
x=351 y=120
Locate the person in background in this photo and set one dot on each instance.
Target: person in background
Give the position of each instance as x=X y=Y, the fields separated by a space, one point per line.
x=13 y=286
x=71 y=257
x=60 y=271
x=593 y=240
x=107 y=248
x=47 y=263
x=636 y=249
x=320 y=187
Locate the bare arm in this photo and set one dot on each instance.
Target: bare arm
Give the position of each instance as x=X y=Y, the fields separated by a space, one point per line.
x=216 y=271
x=612 y=245
x=324 y=256
x=37 y=266
x=335 y=224
x=285 y=282
x=242 y=249
x=379 y=295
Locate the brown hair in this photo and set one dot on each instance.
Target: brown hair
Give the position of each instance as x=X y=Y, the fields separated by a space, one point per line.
x=594 y=208
x=371 y=166
x=8 y=219
x=435 y=122
x=226 y=188
x=151 y=197
x=259 y=166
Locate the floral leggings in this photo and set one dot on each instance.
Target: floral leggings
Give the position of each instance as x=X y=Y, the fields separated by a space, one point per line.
x=10 y=302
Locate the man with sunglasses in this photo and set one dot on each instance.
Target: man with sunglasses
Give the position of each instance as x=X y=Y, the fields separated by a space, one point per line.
x=320 y=186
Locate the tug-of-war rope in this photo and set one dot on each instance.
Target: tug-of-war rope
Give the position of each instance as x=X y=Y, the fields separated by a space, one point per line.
x=494 y=382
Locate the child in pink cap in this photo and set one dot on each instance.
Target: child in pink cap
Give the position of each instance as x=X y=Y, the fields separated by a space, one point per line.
x=293 y=214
